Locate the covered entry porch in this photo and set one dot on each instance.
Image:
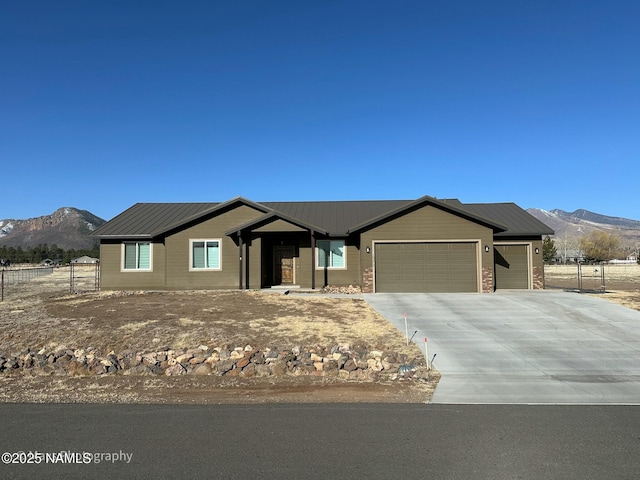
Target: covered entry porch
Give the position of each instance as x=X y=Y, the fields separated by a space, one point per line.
x=278 y=252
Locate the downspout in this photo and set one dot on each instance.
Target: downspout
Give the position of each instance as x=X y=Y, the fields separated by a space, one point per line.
x=313 y=260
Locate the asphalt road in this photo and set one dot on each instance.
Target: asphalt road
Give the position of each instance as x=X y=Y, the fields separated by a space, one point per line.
x=326 y=441
x=524 y=346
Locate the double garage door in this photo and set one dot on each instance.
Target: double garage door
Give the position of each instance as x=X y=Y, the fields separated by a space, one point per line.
x=426 y=267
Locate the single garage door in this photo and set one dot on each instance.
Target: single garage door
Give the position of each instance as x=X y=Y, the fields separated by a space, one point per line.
x=426 y=267
x=512 y=266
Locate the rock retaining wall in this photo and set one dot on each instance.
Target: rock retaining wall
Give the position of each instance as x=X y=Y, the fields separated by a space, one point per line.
x=339 y=361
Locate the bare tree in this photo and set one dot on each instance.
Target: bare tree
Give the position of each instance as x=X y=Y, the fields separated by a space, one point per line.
x=598 y=246
x=564 y=244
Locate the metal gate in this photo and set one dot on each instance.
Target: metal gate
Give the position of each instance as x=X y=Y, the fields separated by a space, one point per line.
x=84 y=277
x=591 y=278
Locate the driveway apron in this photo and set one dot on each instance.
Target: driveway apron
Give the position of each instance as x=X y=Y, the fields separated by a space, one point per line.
x=531 y=347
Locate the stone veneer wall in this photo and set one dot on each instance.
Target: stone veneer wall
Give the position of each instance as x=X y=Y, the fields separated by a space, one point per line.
x=367 y=280
x=487 y=280
x=538 y=278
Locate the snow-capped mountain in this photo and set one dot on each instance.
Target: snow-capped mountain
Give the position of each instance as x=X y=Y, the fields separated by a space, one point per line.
x=580 y=222
x=67 y=227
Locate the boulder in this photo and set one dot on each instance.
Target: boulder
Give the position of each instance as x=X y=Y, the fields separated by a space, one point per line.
x=201 y=369
x=176 y=369
x=249 y=370
x=350 y=365
x=223 y=366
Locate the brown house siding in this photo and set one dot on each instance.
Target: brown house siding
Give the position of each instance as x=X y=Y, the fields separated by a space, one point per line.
x=252 y=254
x=113 y=278
x=178 y=244
x=427 y=224
x=334 y=277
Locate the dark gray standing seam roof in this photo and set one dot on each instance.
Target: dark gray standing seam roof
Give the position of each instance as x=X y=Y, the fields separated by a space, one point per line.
x=427 y=200
x=142 y=219
x=335 y=218
x=518 y=221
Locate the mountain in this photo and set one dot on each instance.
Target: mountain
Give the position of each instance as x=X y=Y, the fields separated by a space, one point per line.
x=576 y=224
x=67 y=227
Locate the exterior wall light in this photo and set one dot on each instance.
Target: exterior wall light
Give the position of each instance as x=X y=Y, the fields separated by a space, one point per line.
x=537 y=250
x=486 y=248
x=368 y=249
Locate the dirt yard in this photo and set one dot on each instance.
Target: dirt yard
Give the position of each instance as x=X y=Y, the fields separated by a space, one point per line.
x=42 y=314
x=621 y=282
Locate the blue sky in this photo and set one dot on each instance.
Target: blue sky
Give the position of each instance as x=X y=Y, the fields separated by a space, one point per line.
x=105 y=104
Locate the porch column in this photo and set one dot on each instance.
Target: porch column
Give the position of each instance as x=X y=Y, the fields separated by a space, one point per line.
x=313 y=260
x=240 y=266
x=246 y=263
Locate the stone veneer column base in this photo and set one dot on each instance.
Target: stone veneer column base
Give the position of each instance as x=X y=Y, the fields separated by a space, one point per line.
x=487 y=280
x=538 y=278
x=367 y=280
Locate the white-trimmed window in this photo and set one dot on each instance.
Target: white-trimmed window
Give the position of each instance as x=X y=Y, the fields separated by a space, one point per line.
x=204 y=254
x=136 y=256
x=331 y=254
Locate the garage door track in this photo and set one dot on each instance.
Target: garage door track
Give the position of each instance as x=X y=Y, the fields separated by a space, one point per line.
x=522 y=346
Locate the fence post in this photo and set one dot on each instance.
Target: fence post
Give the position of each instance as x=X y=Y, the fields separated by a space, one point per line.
x=579 y=277
x=2 y=285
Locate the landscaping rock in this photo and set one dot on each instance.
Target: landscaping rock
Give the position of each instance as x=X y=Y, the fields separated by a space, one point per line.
x=176 y=369
x=248 y=361
x=202 y=369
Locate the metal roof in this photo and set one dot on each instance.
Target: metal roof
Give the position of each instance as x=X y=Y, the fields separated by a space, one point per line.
x=518 y=221
x=335 y=218
x=427 y=200
x=142 y=219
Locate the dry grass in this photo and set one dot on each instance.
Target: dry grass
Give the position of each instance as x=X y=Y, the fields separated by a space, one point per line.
x=42 y=314
x=147 y=321
x=622 y=282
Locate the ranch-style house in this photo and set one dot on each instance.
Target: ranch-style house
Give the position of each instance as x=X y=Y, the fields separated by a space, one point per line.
x=423 y=245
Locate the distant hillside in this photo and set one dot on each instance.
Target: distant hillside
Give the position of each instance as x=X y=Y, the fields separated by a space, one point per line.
x=580 y=222
x=67 y=227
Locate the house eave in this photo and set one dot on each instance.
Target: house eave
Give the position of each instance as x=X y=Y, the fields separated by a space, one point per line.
x=428 y=200
x=210 y=211
x=269 y=217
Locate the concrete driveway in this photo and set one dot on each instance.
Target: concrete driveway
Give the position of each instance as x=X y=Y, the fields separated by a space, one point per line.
x=532 y=347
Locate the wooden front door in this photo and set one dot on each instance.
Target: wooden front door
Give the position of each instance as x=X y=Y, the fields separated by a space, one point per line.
x=283 y=268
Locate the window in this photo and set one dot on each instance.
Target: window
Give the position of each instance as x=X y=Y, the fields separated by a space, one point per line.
x=136 y=256
x=331 y=254
x=205 y=255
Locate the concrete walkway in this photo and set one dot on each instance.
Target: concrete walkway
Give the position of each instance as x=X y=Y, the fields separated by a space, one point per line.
x=531 y=347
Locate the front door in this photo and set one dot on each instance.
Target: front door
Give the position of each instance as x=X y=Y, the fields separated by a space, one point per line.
x=283 y=268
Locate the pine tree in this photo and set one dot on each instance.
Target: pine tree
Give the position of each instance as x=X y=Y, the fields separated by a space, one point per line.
x=549 y=250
